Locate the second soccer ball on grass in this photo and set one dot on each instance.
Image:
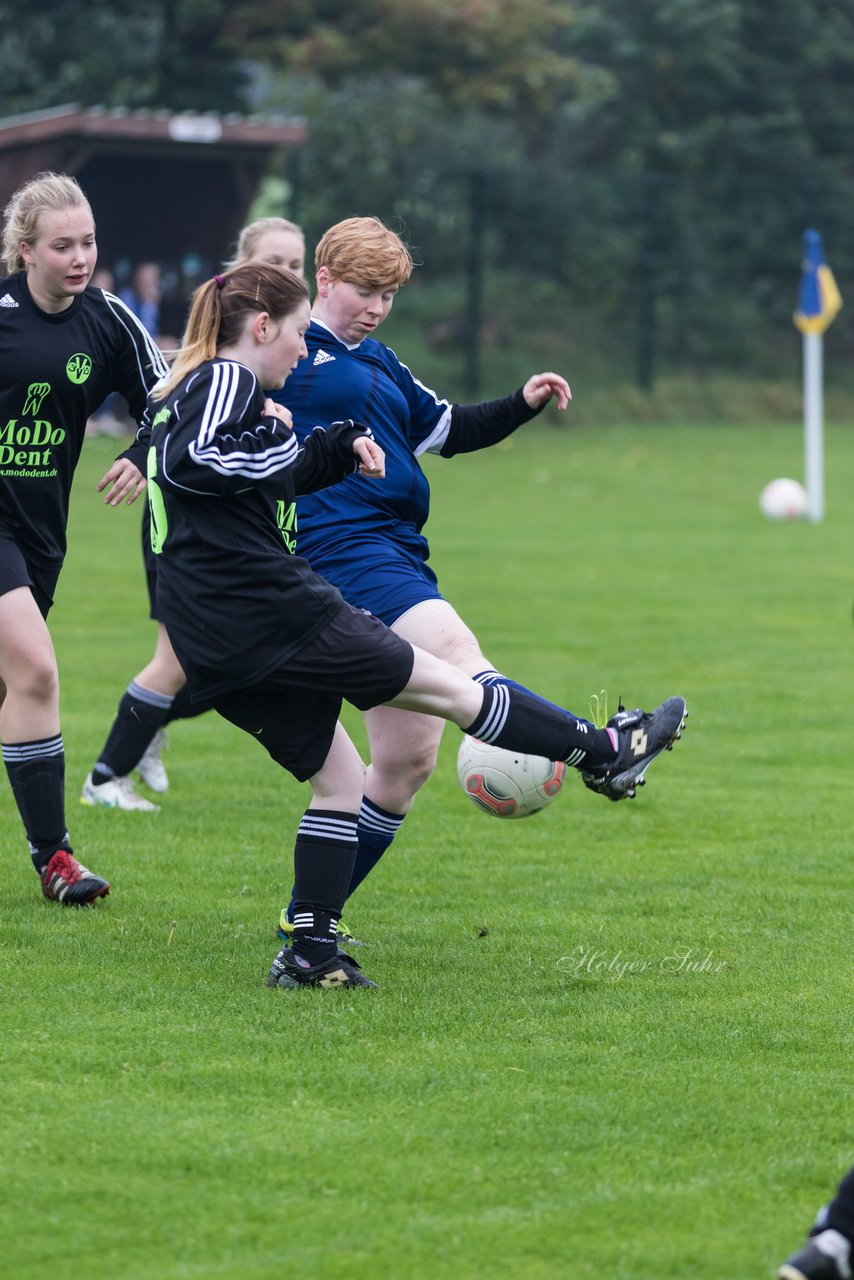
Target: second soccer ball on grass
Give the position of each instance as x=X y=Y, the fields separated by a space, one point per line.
x=783 y=499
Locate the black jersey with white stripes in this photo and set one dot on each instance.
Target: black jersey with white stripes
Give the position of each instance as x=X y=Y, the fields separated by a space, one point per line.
x=223 y=478
x=56 y=368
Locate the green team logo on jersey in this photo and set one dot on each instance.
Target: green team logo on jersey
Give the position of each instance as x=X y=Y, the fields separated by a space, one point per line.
x=286 y=519
x=36 y=393
x=162 y=415
x=78 y=368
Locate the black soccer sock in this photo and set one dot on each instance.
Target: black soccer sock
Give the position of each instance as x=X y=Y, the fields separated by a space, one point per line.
x=324 y=853
x=377 y=828
x=183 y=707
x=141 y=713
x=37 y=774
x=519 y=720
x=492 y=677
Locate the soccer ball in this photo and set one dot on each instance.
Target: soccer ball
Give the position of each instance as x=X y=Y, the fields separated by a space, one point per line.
x=783 y=500
x=507 y=784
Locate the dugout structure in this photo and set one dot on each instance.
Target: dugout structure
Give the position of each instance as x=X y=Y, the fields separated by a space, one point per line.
x=173 y=188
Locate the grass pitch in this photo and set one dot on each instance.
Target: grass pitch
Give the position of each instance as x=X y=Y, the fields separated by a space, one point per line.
x=612 y=1040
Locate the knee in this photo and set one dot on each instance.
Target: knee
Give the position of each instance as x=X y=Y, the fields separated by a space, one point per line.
x=342 y=790
x=39 y=682
x=462 y=650
x=408 y=771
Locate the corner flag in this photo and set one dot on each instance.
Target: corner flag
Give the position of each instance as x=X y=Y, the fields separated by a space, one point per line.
x=818 y=302
x=819 y=299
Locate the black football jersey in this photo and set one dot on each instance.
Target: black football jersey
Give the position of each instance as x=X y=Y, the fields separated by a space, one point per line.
x=55 y=370
x=235 y=598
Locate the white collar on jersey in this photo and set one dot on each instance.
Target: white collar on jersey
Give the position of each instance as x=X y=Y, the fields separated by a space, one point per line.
x=351 y=346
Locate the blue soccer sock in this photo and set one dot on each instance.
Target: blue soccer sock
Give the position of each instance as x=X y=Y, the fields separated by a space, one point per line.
x=377 y=829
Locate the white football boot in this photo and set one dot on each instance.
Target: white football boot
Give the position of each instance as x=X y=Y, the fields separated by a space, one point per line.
x=151 y=767
x=115 y=793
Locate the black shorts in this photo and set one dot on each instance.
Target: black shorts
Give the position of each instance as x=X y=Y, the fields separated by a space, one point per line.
x=17 y=571
x=293 y=711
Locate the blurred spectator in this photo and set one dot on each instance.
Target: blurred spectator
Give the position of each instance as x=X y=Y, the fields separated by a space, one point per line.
x=110 y=418
x=102 y=278
x=143 y=297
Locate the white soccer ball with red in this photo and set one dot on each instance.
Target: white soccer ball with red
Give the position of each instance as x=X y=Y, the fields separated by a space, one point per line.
x=507 y=784
x=783 y=499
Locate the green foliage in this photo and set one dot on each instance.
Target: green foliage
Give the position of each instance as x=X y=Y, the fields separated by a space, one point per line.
x=660 y=160
x=170 y=54
x=515 y=1097
x=531 y=325
x=495 y=54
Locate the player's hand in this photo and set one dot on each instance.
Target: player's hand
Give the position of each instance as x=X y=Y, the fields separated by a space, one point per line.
x=274 y=410
x=546 y=386
x=371 y=457
x=128 y=483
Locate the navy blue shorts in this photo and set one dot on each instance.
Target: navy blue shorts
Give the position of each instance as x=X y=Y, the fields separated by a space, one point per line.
x=382 y=577
x=293 y=711
x=17 y=571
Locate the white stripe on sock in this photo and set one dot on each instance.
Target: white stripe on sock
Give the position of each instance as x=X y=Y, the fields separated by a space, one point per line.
x=497 y=716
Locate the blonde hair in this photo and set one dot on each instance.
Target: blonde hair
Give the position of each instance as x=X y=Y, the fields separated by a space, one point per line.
x=220 y=308
x=251 y=234
x=364 y=251
x=47 y=192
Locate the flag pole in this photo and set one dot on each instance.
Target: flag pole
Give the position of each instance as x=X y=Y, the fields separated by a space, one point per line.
x=814 y=425
x=818 y=302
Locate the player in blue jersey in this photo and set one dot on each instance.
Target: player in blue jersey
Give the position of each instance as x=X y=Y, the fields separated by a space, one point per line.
x=65 y=346
x=369 y=540
x=274 y=646
x=157 y=695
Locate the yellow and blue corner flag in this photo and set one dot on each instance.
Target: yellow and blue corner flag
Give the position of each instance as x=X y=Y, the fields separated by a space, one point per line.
x=819 y=299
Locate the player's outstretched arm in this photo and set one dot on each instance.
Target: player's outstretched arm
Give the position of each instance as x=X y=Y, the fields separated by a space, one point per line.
x=477 y=426
x=543 y=387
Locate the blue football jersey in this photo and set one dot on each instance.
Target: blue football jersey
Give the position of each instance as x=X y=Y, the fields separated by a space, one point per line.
x=370 y=385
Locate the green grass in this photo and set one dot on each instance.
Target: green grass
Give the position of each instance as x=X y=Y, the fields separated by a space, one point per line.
x=520 y=1103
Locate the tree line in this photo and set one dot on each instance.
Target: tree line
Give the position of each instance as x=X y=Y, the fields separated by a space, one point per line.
x=656 y=162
